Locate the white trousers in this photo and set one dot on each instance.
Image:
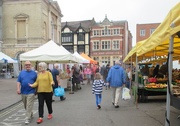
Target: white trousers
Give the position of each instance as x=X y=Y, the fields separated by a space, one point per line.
x=116 y=94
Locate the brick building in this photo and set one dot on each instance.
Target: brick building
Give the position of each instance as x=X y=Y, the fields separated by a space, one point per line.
x=105 y=42
x=110 y=41
x=143 y=31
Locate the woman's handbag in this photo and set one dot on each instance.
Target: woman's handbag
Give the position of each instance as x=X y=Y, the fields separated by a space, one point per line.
x=59 y=91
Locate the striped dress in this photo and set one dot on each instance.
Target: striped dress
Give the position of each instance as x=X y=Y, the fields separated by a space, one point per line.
x=97 y=86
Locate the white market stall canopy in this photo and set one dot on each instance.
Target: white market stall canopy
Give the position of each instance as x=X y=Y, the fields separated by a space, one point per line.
x=49 y=52
x=80 y=58
x=6 y=59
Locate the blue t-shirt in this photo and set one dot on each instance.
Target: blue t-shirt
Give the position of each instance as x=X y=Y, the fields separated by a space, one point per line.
x=26 y=78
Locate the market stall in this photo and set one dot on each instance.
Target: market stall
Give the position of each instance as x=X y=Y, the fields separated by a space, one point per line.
x=166 y=41
x=8 y=66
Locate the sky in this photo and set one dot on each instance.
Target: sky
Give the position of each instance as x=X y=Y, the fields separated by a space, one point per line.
x=133 y=11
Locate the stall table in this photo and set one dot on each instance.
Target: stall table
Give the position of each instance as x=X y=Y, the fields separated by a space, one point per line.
x=144 y=92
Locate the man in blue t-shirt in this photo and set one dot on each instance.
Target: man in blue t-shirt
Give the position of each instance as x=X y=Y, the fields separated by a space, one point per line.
x=26 y=77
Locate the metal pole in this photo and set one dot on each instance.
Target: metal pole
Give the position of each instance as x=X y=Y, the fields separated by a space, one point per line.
x=167 y=119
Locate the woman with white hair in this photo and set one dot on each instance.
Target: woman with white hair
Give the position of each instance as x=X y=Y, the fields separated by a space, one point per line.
x=44 y=84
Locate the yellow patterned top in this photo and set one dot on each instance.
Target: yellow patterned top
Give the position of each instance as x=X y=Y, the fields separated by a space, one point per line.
x=44 y=82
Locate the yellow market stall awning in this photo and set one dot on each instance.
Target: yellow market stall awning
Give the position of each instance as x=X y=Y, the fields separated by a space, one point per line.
x=132 y=53
x=158 y=43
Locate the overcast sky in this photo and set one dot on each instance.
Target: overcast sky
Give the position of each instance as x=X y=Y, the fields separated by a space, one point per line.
x=134 y=11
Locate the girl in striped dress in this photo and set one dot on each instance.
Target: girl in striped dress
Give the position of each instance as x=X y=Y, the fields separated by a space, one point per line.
x=97 y=88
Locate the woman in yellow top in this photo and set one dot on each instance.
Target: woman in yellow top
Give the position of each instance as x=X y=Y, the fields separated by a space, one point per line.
x=44 y=84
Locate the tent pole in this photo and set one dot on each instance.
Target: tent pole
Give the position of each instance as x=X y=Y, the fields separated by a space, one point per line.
x=71 y=92
x=167 y=119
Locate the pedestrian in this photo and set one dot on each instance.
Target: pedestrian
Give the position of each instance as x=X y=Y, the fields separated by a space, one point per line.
x=116 y=78
x=27 y=93
x=56 y=79
x=76 y=78
x=81 y=75
x=93 y=69
x=128 y=77
x=156 y=71
x=105 y=74
x=88 y=72
x=145 y=74
x=97 y=88
x=44 y=84
x=102 y=69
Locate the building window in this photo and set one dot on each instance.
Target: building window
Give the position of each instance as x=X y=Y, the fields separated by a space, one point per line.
x=81 y=48
x=69 y=48
x=96 y=32
x=152 y=30
x=67 y=37
x=105 y=45
x=142 y=32
x=105 y=60
x=21 y=29
x=81 y=37
x=116 y=44
x=102 y=32
x=116 y=31
x=96 y=45
x=106 y=31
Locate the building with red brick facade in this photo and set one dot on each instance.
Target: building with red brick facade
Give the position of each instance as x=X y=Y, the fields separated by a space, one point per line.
x=105 y=42
x=143 y=31
x=110 y=41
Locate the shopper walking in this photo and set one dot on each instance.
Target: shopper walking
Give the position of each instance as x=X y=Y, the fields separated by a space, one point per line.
x=56 y=79
x=44 y=84
x=27 y=93
x=97 y=88
x=76 y=78
x=116 y=78
x=128 y=78
x=88 y=72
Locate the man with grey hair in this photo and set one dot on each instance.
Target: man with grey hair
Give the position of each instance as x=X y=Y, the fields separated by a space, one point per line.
x=25 y=77
x=116 y=79
x=56 y=79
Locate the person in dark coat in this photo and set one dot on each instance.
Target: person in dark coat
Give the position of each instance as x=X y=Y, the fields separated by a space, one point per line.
x=56 y=79
x=145 y=74
x=76 y=77
x=163 y=70
x=156 y=71
x=105 y=74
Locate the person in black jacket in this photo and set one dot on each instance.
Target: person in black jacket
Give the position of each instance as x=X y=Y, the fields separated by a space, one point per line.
x=56 y=79
x=163 y=70
x=156 y=71
x=76 y=77
x=145 y=74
